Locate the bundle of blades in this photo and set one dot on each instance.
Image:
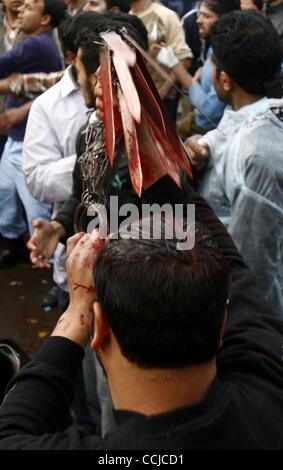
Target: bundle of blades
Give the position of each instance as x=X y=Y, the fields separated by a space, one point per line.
x=135 y=117
x=134 y=122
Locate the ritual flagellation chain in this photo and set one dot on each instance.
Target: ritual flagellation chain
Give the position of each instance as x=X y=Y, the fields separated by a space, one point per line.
x=95 y=171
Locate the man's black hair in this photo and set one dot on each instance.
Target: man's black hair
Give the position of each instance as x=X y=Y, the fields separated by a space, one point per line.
x=165 y=307
x=221 y=7
x=57 y=11
x=124 y=5
x=73 y=25
x=247 y=47
x=135 y=27
x=89 y=43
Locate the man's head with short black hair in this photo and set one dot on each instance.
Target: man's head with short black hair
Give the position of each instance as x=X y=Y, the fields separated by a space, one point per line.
x=57 y=11
x=88 y=45
x=72 y=26
x=246 y=49
x=165 y=307
x=40 y=16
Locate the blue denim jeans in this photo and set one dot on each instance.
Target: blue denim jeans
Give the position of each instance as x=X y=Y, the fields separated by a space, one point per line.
x=17 y=206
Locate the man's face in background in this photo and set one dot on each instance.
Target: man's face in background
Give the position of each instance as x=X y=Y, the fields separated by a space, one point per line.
x=30 y=16
x=13 y=5
x=99 y=6
x=205 y=21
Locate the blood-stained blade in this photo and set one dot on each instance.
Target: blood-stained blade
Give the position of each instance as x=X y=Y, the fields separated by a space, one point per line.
x=131 y=145
x=170 y=135
x=148 y=98
x=116 y=44
x=107 y=97
x=156 y=107
x=123 y=58
x=128 y=87
x=154 y=153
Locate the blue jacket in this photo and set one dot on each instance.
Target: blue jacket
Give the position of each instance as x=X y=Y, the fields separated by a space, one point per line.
x=34 y=54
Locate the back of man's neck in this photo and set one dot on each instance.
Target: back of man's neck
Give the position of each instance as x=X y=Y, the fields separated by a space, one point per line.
x=241 y=100
x=151 y=392
x=140 y=5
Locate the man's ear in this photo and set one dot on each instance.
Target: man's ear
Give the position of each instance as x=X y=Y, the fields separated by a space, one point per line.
x=226 y=82
x=101 y=328
x=70 y=58
x=46 y=20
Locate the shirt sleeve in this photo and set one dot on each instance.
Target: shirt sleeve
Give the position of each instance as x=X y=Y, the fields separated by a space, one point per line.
x=208 y=103
x=39 y=398
x=175 y=37
x=33 y=85
x=19 y=59
x=48 y=175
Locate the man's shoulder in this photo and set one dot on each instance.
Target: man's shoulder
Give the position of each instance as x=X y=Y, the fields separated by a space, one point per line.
x=44 y=39
x=49 y=98
x=189 y=17
x=64 y=88
x=36 y=42
x=263 y=132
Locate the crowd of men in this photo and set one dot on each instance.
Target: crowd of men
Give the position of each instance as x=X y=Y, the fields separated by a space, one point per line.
x=156 y=348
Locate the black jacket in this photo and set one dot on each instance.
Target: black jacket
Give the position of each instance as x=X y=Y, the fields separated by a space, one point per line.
x=241 y=410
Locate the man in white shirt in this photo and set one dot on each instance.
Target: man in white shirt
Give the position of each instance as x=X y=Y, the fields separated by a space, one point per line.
x=49 y=146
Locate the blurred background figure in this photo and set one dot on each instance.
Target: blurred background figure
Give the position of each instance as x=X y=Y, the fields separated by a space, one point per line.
x=164 y=28
x=95 y=5
x=253 y=5
x=38 y=52
x=9 y=28
x=274 y=12
x=74 y=6
x=101 y=6
x=181 y=7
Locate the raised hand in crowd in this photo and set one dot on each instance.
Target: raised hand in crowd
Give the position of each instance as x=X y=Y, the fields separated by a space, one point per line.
x=44 y=241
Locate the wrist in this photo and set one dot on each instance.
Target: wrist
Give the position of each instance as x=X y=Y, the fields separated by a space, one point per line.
x=58 y=229
x=76 y=324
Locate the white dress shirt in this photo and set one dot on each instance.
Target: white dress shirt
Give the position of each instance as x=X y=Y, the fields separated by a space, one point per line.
x=49 y=149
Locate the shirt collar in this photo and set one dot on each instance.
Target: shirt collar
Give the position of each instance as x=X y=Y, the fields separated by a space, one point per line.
x=68 y=84
x=260 y=106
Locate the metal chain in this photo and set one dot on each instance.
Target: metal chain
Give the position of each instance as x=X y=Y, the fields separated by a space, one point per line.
x=93 y=164
x=95 y=171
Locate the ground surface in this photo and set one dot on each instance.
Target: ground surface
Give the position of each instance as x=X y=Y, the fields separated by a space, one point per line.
x=21 y=316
